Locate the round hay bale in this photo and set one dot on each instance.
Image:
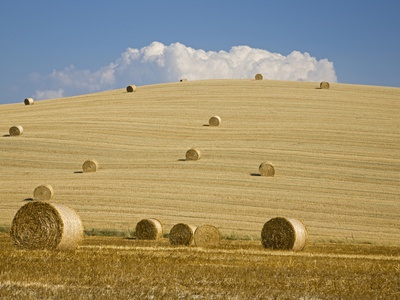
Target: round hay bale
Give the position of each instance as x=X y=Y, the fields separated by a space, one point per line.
x=193 y=154
x=41 y=225
x=29 y=101
x=284 y=234
x=43 y=192
x=214 y=121
x=90 y=165
x=149 y=229
x=258 y=76
x=182 y=234
x=266 y=169
x=183 y=80
x=324 y=85
x=131 y=88
x=16 y=130
x=207 y=236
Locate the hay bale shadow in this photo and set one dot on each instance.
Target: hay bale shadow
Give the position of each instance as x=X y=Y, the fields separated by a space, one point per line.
x=29 y=199
x=78 y=172
x=255 y=174
x=206 y=125
x=6 y=135
x=182 y=159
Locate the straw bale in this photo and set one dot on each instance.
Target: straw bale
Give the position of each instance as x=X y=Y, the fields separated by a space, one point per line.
x=259 y=76
x=266 y=169
x=131 y=88
x=193 y=154
x=324 y=85
x=43 y=192
x=183 y=80
x=41 y=225
x=29 y=101
x=214 y=121
x=284 y=234
x=182 y=234
x=149 y=229
x=16 y=130
x=207 y=236
x=90 y=165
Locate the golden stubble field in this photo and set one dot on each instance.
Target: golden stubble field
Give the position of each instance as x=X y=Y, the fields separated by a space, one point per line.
x=336 y=153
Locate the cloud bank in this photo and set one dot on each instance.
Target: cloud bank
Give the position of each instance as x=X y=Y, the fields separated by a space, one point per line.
x=158 y=63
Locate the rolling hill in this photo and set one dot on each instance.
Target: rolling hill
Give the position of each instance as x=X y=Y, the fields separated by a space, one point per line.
x=336 y=154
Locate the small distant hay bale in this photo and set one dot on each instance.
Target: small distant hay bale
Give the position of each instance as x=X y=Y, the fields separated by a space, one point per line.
x=214 y=121
x=183 y=80
x=149 y=229
x=45 y=226
x=324 y=85
x=193 y=154
x=29 y=101
x=43 y=192
x=16 y=130
x=284 y=234
x=266 y=169
x=90 y=165
x=258 y=76
x=131 y=88
x=207 y=236
x=182 y=234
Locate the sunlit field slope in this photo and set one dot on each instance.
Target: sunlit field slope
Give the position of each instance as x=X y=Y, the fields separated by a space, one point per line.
x=336 y=154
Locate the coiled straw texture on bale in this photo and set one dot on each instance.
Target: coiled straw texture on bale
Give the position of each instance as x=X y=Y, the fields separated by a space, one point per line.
x=43 y=192
x=149 y=229
x=131 y=88
x=44 y=226
x=16 y=130
x=284 y=234
x=214 y=121
x=266 y=169
x=91 y=165
x=182 y=234
x=324 y=85
x=258 y=77
x=29 y=101
x=193 y=154
x=207 y=236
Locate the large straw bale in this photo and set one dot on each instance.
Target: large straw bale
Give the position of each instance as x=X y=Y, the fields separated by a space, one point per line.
x=193 y=154
x=43 y=192
x=284 y=234
x=183 y=80
x=324 y=85
x=131 y=88
x=91 y=165
x=29 y=101
x=149 y=229
x=207 y=236
x=266 y=169
x=182 y=234
x=16 y=130
x=214 y=121
x=258 y=77
x=41 y=225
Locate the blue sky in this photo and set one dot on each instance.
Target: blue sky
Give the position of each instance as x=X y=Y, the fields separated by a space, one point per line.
x=61 y=48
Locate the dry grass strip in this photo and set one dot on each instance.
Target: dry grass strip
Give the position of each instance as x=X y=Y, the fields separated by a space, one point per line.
x=41 y=225
x=284 y=234
x=131 y=88
x=43 y=192
x=266 y=169
x=182 y=234
x=29 y=101
x=193 y=154
x=207 y=236
x=324 y=85
x=149 y=229
x=16 y=130
x=258 y=77
x=90 y=165
x=214 y=121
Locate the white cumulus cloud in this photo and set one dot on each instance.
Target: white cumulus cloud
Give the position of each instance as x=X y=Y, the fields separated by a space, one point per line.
x=158 y=63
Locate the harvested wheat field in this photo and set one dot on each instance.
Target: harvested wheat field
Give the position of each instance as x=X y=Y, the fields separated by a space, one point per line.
x=336 y=155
